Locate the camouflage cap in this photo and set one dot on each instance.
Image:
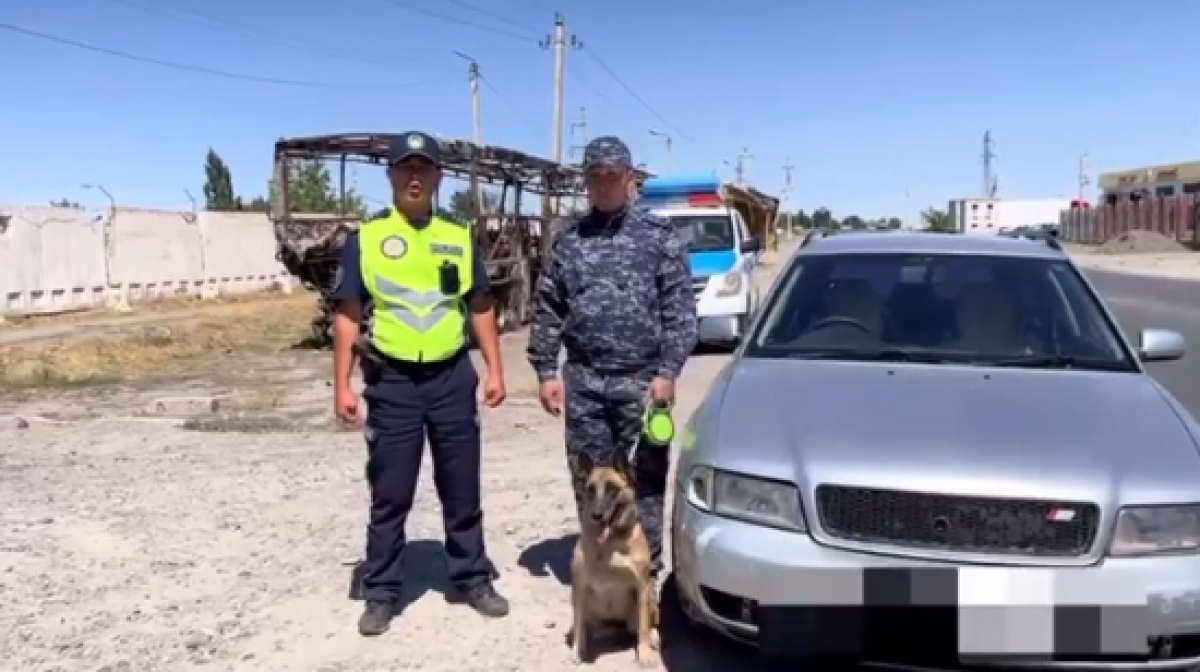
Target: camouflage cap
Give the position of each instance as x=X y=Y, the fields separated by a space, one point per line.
x=607 y=151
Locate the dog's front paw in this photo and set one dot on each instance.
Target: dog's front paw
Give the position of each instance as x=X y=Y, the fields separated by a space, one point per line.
x=648 y=656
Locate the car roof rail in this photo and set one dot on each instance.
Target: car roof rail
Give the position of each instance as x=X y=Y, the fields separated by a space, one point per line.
x=817 y=234
x=1047 y=237
x=813 y=235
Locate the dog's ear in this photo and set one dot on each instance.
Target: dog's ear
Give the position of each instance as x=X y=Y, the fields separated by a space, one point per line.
x=622 y=465
x=584 y=463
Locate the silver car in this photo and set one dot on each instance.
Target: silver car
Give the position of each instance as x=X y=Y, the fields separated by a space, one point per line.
x=953 y=431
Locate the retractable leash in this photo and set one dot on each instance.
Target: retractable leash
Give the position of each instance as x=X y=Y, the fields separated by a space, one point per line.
x=658 y=427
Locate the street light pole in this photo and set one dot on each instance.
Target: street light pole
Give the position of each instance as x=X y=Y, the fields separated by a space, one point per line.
x=670 y=146
x=107 y=233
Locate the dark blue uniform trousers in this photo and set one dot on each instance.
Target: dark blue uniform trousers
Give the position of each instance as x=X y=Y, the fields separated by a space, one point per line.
x=406 y=401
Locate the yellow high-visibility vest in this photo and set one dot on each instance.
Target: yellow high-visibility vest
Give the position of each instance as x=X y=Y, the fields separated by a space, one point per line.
x=415 y=316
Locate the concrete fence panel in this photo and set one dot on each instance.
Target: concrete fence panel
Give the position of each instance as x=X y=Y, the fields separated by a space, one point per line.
x=55 y=259
x=239 y=251
x=51 y=259
x=155 y=253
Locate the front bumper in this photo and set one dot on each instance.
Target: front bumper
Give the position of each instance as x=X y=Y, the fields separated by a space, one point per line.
x=749 y=582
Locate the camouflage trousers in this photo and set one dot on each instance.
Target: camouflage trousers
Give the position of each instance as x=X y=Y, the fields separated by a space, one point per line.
x=603 y=415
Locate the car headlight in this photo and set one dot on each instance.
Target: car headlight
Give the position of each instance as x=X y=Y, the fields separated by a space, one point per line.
x=754 y=500
x=1146 y=530
x=731 y=284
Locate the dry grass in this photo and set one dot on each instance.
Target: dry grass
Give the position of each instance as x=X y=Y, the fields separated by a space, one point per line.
x=129 y=352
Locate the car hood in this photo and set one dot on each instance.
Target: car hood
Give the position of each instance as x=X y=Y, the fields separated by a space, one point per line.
x=1053 y=434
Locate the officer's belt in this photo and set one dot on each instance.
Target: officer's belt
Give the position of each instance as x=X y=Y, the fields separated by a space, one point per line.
x=372 y=356
x=632 y=370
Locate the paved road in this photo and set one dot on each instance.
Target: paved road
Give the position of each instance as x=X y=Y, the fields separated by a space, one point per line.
x=1143 y=302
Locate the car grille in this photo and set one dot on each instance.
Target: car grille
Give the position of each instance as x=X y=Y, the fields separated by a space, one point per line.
x=952 y=523
x=698 y=286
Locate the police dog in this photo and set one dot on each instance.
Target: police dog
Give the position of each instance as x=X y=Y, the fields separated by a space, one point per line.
x=610 y=571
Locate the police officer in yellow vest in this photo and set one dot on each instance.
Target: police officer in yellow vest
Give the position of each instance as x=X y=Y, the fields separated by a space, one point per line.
x=415 y=279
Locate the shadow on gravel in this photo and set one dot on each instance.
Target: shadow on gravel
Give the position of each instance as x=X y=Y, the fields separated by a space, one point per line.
x=550 y=557
x=688 y=648
x=424 y=571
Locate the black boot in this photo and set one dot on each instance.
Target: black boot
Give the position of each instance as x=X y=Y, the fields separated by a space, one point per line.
x=377 y=617
x=485 y=600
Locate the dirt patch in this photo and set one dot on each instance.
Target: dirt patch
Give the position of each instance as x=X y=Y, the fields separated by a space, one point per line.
x=112 y=353
x=1140 y=242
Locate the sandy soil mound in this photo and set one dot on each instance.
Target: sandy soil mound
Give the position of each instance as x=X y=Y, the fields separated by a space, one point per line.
x=1140 y=242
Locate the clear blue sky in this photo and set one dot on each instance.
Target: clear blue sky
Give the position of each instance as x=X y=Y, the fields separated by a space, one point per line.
x=871 y=99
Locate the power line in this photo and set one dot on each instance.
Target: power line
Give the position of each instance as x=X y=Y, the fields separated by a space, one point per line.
x=633 y=94
x=200 y=70
x=502 y=98
x=493 y=16
x=462 y=22
x=258 y=36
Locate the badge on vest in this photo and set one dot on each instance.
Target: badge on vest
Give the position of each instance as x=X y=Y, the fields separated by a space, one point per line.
x=393 y=247
x=443 y=248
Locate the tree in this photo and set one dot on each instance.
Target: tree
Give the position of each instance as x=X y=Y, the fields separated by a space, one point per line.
x=462 y=204
x=823 y=219
x=853 y=222
x=935 y=220
x=218 y=184
x=257 y=204
x=894 y=223
x=312 y=191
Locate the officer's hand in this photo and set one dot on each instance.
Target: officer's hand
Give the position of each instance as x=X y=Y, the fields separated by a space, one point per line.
x=662 y=390
x=493 y=391
x=551 y=395
x=347 y=407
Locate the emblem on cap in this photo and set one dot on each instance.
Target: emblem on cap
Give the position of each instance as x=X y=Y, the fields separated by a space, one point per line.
x=394 y=247
x=416 y=141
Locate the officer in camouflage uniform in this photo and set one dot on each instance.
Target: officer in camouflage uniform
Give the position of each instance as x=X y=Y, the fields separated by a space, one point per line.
x=616 y=292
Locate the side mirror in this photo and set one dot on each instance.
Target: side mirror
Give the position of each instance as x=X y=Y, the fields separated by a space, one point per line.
x=1161 y=345
x=750 y=246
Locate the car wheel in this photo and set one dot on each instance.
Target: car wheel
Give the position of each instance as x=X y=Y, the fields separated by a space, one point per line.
x=674 y=609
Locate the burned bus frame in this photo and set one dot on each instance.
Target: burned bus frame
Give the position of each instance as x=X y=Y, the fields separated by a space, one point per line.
x=513 y=243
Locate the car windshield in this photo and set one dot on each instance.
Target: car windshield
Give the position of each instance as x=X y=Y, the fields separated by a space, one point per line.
x=986 y=310
x=705 y=233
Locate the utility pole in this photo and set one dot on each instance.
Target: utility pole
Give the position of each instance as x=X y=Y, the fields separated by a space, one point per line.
x=670 y=147
x=579 y=133
x=1084 y=182
x=559 y=42
x=740 y=168
x=990 y=184
x=474 y=76
x=787 y=195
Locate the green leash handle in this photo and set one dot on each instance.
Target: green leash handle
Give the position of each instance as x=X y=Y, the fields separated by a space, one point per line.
x=658 y=424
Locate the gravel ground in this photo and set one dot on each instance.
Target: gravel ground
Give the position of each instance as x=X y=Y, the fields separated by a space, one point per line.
x=132 y=545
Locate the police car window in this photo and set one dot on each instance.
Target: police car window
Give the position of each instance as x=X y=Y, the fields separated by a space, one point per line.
x=705 y=233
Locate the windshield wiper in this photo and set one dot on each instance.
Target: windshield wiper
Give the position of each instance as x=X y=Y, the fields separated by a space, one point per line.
x=1059 y=362
x=871 y=355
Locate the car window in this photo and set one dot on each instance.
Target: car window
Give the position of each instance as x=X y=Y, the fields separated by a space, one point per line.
x=705 y=233
x=968 y=307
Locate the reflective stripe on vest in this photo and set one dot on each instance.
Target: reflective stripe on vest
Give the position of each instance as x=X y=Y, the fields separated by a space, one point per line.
x=397 y=299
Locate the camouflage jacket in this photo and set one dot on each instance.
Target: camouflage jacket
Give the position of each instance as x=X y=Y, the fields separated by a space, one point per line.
x=616 y=292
